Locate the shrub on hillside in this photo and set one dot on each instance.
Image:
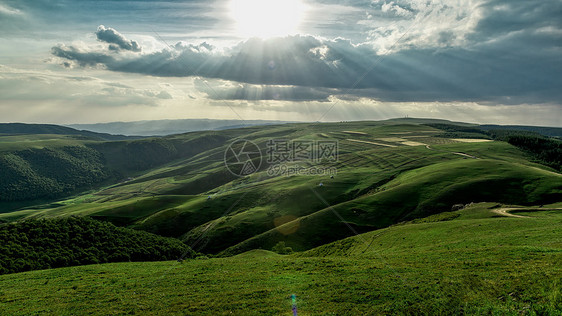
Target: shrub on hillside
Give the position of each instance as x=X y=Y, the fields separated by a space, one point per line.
x=281 y=249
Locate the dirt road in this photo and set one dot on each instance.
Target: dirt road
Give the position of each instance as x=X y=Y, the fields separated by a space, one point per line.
x=504 y=212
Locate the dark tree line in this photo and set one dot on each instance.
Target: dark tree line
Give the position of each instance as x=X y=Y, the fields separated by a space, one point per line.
x=48 y=173
x=51 y=173
x=54 y=243
x=543 y=149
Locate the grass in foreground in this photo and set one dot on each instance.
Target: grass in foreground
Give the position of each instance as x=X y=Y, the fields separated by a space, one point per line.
x=475 y=262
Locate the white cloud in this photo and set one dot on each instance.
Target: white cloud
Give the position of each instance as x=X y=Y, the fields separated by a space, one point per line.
x=4 y=9
x=481 y=73
x=421 y=24
x=479 y=54
x=81 y=91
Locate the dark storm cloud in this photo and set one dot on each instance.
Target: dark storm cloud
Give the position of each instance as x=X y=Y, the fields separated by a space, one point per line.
x=216 y=90
x=111 y=36
x=298 y=60
x=488 y=73
x=513 y=56
x=82 y=58
x=507 y=16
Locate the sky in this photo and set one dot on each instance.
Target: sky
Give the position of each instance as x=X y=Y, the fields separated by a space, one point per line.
x=83 y=61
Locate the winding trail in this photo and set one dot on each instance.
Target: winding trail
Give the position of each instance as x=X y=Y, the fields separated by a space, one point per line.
x=504 y=211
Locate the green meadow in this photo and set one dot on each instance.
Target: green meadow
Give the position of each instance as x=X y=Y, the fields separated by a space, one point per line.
x=417 y=220
x=467 y=262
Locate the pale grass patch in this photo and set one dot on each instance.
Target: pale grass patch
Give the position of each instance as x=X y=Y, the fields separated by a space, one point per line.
x=357 y=133
x=411 y=143
x=367 y=142
x=471 y=140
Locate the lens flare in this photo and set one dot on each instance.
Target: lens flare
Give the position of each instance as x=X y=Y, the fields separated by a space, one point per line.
x=294 y=304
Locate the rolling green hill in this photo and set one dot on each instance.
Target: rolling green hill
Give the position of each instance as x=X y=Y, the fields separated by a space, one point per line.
x=469 y=262
x=414 y=194
x=32 y=174
x=43 y=167
x=387 y=172
x=414 y=217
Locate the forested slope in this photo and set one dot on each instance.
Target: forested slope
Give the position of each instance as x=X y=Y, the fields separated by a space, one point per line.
x=54 y=243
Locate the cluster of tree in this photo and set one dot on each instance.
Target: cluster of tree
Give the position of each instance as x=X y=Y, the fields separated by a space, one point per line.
x=49 y=173
x=505 y=134
x=545 y=131
x=282 y=249
x=543 y=149
x=546 y=151
x=459 y=131
x=53 y=243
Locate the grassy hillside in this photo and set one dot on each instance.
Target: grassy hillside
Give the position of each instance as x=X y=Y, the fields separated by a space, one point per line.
x=472 y=262
x=43 y=167
x=413 y=194
x=34 y=173
x=381 y=236
x=387 y=172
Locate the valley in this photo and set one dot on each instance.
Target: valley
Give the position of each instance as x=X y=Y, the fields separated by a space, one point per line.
x=384 y=226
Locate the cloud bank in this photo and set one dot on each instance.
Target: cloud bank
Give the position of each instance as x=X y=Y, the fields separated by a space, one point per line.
x=497 y=51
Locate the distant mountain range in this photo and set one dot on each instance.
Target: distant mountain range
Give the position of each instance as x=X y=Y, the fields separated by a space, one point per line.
x=134 y=130
x=38 y=129
x=168 y=127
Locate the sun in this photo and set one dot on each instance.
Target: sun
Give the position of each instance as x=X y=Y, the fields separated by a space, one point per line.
x=267 y=18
